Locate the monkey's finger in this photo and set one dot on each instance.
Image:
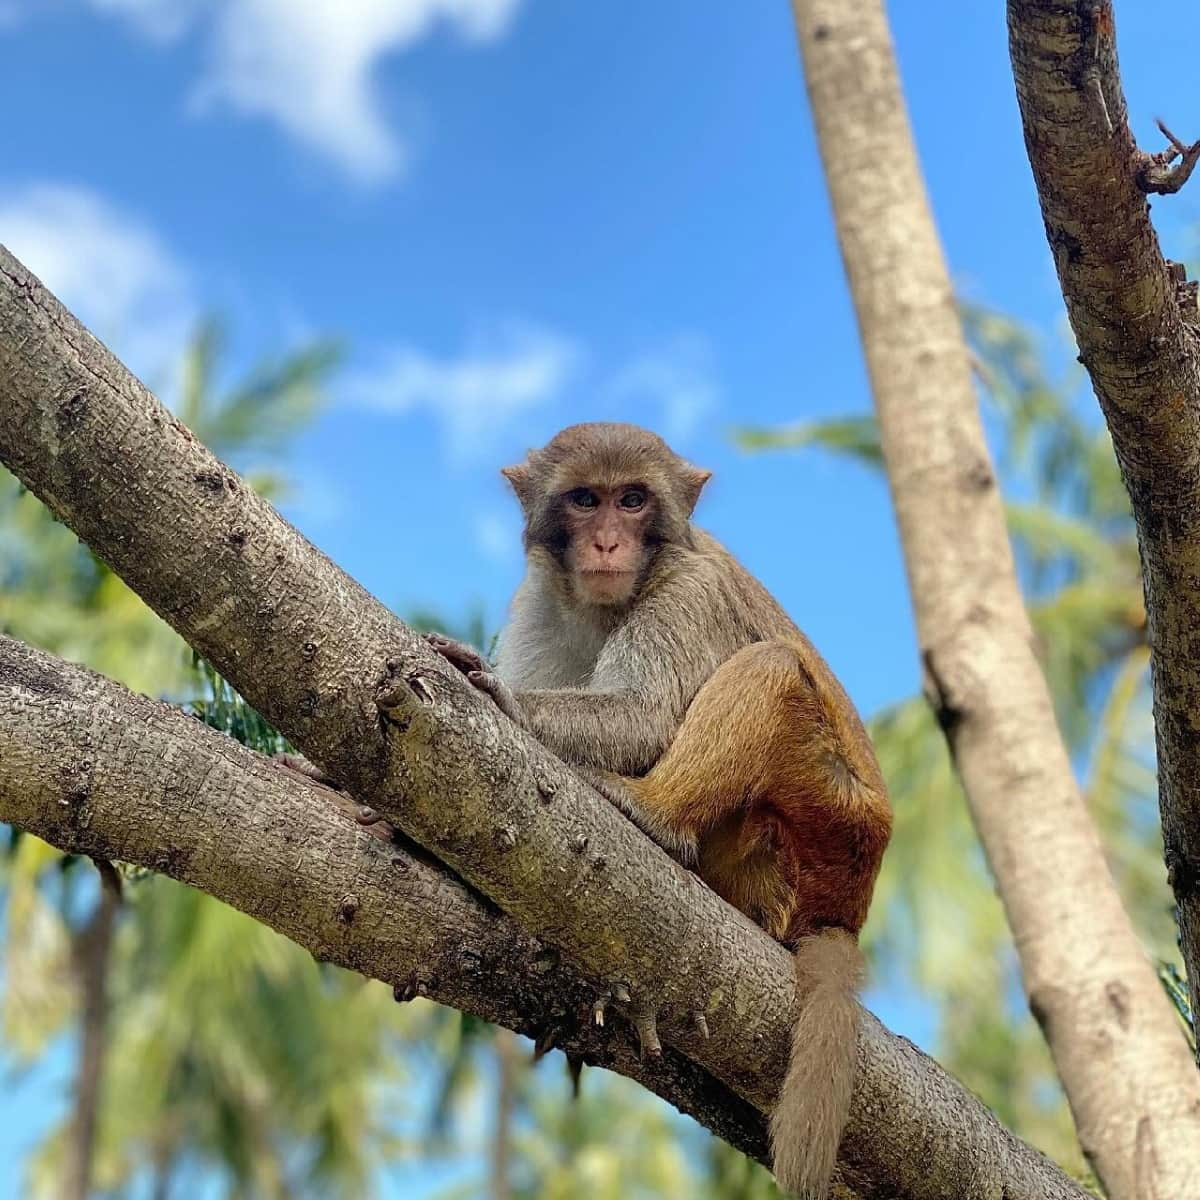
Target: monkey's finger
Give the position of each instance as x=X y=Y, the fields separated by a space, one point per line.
x=458 y=654
x=500 y=693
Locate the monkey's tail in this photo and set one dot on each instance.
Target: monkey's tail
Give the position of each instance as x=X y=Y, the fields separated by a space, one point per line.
x=814 y=1105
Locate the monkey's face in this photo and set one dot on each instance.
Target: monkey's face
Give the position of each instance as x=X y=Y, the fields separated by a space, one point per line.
x=606 y=541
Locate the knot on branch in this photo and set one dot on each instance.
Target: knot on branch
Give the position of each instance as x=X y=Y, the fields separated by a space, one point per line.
x=1159 y=173
x=1187 y=291
x=948 y=714
x=1183 y=874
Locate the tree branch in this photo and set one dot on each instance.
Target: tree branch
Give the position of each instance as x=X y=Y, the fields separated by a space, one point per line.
x=95 y=769
x=1116 y=1043
x=1136 y=324
x=360 y=694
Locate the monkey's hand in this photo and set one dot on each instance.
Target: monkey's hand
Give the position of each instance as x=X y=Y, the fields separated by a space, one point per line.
x=501 y=693
x=475 y=667
x=457 y=654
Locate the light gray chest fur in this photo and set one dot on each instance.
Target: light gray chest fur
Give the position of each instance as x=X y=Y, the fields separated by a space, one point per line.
x=545 y=645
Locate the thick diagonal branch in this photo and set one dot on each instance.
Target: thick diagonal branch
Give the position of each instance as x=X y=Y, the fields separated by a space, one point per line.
x=95 y=769
x=1116 y=1043
x=359 y=693
x=1136 y=324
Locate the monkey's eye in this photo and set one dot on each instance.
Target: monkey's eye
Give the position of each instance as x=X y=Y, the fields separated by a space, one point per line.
x=583 y=498
x=633 y=499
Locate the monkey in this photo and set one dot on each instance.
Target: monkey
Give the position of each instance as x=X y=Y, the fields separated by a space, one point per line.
x=642 y=653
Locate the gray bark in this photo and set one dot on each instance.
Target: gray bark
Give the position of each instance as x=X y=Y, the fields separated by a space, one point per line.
x=95 y=769
x=1135 y=321
x=358 y=692
x=1116 y=1043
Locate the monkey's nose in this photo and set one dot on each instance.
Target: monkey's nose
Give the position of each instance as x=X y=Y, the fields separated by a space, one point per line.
x=607 y=549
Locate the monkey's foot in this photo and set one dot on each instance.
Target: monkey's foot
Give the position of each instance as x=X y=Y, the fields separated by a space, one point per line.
x=299 y=765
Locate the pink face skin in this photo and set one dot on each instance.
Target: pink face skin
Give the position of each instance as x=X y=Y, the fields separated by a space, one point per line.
x=607 y=540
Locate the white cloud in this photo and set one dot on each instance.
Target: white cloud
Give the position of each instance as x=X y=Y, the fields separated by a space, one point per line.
x=476 y=395
x=678 y=377
x=158 y=19
x=113 y=272
x=309 y=65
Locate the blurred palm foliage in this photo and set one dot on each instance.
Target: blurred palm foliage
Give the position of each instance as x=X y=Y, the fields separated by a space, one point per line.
x=937 y=925
x=235 y=1060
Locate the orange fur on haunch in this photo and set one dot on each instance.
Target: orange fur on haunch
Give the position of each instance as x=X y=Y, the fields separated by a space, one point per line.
x=773 y=777
x=641 y=651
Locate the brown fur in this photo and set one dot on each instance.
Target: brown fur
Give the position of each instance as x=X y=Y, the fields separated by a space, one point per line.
x=702 y=711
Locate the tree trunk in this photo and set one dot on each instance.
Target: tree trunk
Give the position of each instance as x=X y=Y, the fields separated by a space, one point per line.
x=509 y=1064
x=1116 y=1044
x=1138 y=329
x=93 y=953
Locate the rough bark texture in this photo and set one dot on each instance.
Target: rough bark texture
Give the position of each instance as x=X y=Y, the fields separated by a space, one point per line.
x=95 y=769
x=1115 y=1041
x=315 y=653
x=1135 y=322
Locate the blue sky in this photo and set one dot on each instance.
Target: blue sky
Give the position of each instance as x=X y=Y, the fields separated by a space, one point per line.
x=518 y=214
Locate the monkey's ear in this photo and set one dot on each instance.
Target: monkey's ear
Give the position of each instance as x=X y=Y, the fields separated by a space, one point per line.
x=521 y=479
x=694 y=479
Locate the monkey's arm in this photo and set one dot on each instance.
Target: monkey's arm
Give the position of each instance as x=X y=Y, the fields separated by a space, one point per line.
x=642 y=684
x=623 y=732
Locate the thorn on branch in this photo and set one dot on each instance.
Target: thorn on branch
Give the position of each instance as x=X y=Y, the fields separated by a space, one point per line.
x=395 y=697
x=599 y=1008
x=645 y=1021
x=700 y=1021
x=1155 y=172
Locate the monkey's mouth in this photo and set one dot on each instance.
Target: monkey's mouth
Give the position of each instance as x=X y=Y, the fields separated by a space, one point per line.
x=607 y=586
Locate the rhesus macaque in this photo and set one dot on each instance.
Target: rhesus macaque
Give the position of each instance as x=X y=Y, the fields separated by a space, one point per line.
x=641 y=652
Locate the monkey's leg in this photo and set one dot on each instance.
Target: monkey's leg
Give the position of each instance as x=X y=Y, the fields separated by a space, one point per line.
x=725 y=753
x=617 y=792
x=774 y=776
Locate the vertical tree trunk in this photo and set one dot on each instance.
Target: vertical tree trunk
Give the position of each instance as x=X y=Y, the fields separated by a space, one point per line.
x=508 y=1060
x=1116 y=1044
x=93 y=952
x=1135 y=321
